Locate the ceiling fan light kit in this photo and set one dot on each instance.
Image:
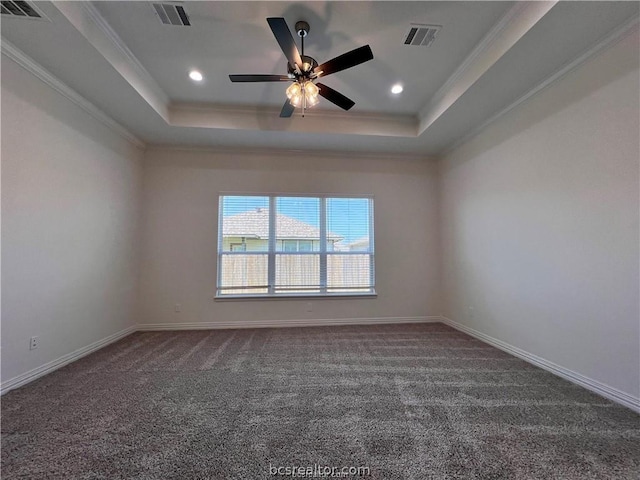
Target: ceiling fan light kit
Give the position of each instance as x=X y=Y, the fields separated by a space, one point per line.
x=303 y=70
x=303 y=95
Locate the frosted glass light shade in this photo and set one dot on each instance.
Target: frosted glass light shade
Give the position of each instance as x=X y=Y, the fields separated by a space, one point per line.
x=305 y=93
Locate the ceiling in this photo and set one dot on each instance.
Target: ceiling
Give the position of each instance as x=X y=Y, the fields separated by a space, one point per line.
x=487 y=57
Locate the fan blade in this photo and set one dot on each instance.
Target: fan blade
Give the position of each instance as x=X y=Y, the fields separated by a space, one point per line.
x=259 y=78
x=287 y=109
x=344 y=61
x=335 y=97
x=285 y=40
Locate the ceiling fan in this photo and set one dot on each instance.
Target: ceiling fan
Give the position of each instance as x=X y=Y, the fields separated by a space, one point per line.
x=303 y=70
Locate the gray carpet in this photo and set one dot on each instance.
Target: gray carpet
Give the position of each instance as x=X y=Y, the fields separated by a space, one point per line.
x=406 y=401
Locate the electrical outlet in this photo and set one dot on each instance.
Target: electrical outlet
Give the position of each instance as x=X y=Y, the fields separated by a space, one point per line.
x=309 y=307
x=33 y=343
x=178 y=308
x=471 y=312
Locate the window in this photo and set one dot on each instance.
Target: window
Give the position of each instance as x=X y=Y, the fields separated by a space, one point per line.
x=297 y=245
x=274 y=246
x=238 y=247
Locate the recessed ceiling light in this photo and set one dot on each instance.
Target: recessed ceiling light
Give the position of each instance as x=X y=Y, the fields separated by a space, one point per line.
x=396 y=89
x=195 y=75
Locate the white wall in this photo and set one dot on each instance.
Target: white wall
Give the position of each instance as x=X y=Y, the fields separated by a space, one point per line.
x=535 y=228
x=540 y=223
x=180 y=206
x=70 y=215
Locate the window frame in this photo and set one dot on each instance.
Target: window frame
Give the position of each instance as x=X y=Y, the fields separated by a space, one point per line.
x=272 y=252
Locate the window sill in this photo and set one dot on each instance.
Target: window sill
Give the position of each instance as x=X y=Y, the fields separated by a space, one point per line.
x=304 y=296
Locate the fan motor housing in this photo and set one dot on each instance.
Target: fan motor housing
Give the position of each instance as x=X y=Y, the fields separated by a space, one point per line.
x=308 y=64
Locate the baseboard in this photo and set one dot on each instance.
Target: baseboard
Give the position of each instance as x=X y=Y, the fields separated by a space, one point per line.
x=49 y=367
x=286 y=323
x=602 y=389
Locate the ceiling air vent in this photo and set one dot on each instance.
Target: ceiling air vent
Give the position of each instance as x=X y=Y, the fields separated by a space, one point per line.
x=19 y=9
x=421 y=34
x=172 y=14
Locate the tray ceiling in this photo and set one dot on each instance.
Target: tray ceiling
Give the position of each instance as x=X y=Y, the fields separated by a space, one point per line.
x=486 y=56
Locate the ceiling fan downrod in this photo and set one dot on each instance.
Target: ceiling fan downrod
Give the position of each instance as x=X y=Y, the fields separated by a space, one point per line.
x=302 y=29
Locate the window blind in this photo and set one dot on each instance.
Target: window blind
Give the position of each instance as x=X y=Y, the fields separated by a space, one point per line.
x=295 y=245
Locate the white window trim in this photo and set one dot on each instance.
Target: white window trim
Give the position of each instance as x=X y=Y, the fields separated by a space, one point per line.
x=272 y=251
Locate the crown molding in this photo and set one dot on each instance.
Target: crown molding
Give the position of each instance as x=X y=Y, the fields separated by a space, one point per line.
x=505 y=34
x=88 y=21
x=26 y=62
x=484 y=44
x=264 y=119
x=327 y=114
x=281 y=152
x=115 y=39
x=606 y=42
